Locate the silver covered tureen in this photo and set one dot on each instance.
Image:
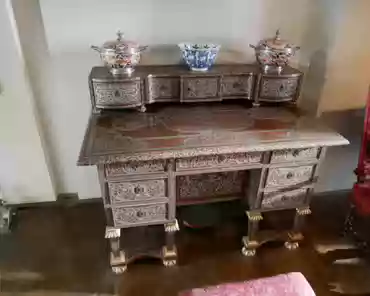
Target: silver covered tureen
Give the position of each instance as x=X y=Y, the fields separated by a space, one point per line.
x=120 y=55
x=273 y=54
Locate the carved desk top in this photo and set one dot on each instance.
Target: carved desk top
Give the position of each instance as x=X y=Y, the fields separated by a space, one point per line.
x=183 y=131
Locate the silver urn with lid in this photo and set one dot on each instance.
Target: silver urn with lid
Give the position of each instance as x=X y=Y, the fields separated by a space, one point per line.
x=120 y=55
x=273 y=54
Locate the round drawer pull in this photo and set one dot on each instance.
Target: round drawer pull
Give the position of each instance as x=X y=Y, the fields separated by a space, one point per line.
x=138 y=190
x=222 y=158
x=140 y=214
x=296 y=153
x=289 y=175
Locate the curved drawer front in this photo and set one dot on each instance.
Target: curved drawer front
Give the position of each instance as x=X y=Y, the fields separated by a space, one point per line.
x=288 y=176
x=136 y=190
x=125 y=94
x=148 y=214
x=117 y=169
x=289 y=155
x=290 y=199
x=278 y=88
x=216 y=161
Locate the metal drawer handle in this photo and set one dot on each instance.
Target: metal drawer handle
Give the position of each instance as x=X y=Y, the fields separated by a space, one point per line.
x=138 y=189
x=296 y=153
x=140 y=214
x=289 y=175
x=221 y=158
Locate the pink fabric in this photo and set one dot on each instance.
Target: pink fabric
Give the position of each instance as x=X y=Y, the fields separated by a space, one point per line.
x=291 y=284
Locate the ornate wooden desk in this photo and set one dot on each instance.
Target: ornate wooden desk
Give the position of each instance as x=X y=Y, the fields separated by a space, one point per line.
x=149 y=163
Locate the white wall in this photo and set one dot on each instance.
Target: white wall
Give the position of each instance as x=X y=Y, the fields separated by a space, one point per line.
x=24 y=176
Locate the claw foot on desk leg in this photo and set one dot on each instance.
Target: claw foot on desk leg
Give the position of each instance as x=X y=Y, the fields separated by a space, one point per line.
x=249 y=247
x=142 y=108
x=169 y=262
x=169 y=256
x=119 y=269
x=172 y=227
x=291 y=245
x=248 y=252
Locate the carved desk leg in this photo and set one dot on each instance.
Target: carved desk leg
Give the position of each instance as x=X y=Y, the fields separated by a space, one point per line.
x=295 y=235
x=117 y=257
x=250 y=241
x=169 y=251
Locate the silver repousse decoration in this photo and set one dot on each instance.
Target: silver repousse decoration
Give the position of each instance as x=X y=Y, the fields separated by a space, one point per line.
x=120 y=55
x=273 y=54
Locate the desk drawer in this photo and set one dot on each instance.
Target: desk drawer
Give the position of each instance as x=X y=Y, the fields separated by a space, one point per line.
x=117 y=94
x=216 y=161
x=131 y=168
x=140 y=215
x=290 y=199
x=280 y=177
x=200 y=89
x=291 y=155
x=136 y=190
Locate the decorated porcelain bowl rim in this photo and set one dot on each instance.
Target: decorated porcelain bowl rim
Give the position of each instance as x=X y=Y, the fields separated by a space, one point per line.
x=202 y=46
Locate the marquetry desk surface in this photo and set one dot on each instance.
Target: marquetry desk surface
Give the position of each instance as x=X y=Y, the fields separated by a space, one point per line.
x=184 y=131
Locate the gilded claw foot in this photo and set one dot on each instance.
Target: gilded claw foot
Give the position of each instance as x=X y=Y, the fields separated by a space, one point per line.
x=291 y=245
x=143 y=108
x=172 y=227
x=119 y=269
x=248 y=252
x=249 y=247
x=169 y=262
x=169 y=256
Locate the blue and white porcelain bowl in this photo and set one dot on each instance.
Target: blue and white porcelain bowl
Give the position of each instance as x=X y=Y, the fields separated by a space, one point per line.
x=199 y=57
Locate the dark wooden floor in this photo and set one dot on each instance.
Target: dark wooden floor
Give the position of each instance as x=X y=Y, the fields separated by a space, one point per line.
x=61 y=249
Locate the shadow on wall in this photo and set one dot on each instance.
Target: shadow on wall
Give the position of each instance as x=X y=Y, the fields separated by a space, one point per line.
x=340 y=162
x=317 y=42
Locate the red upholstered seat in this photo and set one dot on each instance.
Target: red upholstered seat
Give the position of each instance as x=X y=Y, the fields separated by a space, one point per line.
x=361 y=190
x=361 y=198
x=291 y=284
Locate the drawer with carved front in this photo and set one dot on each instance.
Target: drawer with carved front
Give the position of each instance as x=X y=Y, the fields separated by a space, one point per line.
x=140 y=215
x=234 y=86
x=117 y=94
x=200 y=89
x=217 y=161
x=291 y=155
x=281 y=177
x=136 y=190
x=132 y=168
x=284 y=200
x=163 y=89
x=278 y=88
